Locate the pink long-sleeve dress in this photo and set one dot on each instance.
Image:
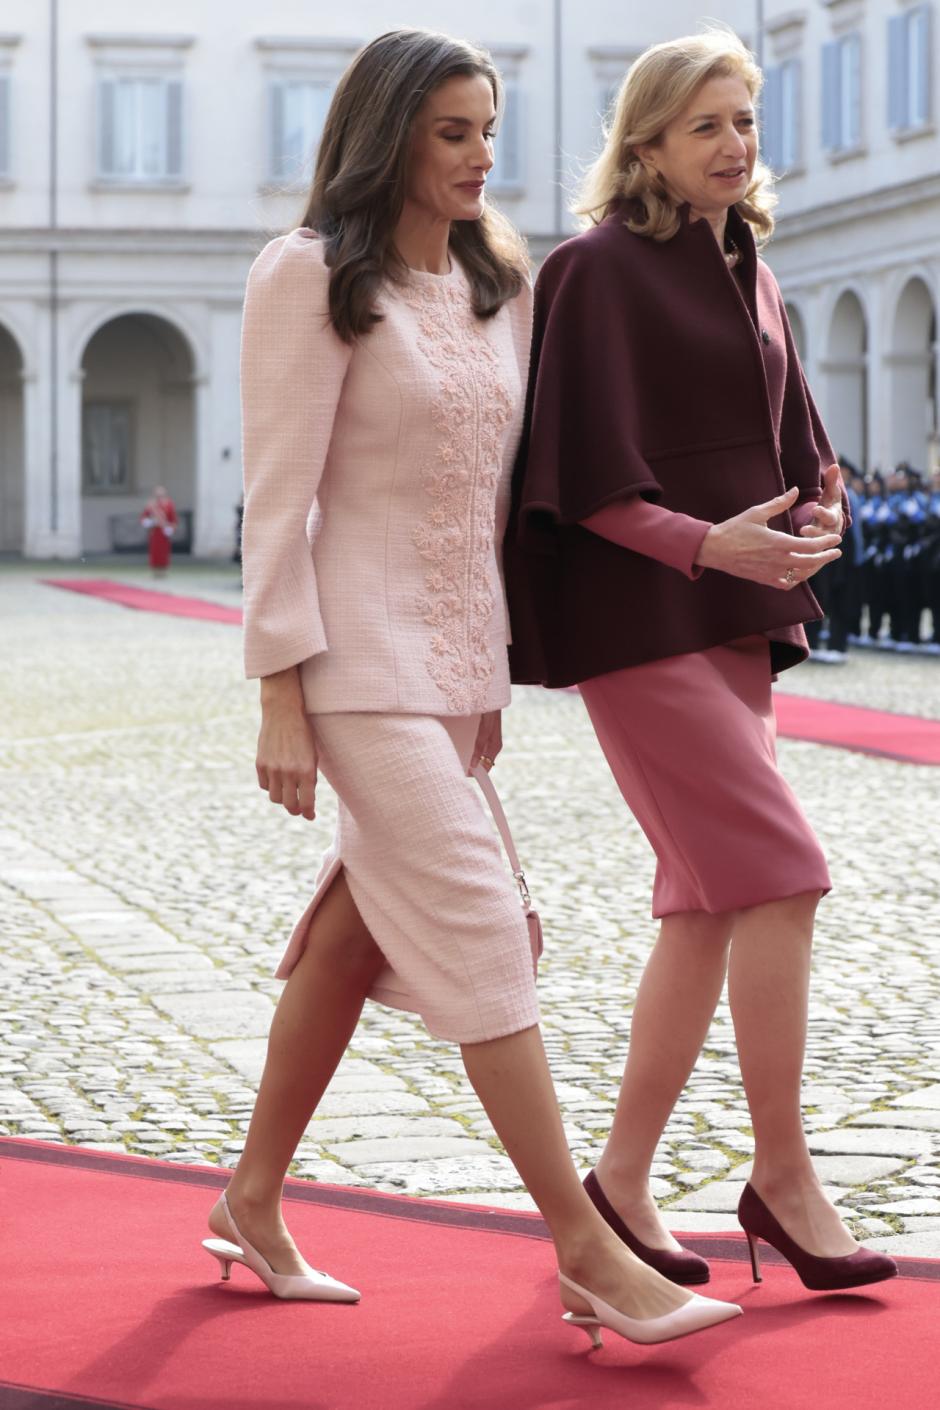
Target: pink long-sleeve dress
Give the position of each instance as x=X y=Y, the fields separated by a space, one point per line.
x=690 y=740
x=376 y=495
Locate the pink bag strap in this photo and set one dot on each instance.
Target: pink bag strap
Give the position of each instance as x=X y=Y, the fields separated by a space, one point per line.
x=502 y=823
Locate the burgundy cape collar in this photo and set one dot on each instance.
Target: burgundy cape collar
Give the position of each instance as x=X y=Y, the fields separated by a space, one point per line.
x=658 y=371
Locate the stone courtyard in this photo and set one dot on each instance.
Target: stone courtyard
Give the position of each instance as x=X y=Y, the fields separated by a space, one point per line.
x=147 y=886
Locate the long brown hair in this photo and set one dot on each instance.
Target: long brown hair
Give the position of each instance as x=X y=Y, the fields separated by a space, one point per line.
x=657 y=88
x=358 y=189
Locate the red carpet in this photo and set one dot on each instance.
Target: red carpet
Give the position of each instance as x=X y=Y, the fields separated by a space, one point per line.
x=148 y=600
x=904 y=737
x=106 y=1299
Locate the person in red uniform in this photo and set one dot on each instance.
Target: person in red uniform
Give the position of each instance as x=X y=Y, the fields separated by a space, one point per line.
x=160 y=517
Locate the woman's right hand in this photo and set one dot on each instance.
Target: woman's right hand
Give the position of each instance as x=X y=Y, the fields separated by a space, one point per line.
x=746 y=548
x=286 y=761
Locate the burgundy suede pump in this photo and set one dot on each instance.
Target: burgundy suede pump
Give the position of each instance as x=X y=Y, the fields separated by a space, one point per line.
x=851 y=1270
x=685 y=1267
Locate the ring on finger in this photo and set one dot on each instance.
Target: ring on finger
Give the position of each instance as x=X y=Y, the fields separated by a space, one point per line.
x=789 y=577
x=487 y=762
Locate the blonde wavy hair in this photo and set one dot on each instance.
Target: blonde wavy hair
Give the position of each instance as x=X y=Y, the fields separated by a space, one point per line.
x=659 y=86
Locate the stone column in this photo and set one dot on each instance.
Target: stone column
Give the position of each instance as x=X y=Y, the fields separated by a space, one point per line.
x=876 y=391
x=218 y=435
x=53 y=511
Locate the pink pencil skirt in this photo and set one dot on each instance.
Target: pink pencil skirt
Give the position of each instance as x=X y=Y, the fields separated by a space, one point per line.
x=691 y=743
x=425 y=869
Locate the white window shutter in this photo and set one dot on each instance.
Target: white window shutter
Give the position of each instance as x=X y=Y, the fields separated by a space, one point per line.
x=147 y=99
x=793 y=155
x=831 y=95
x=507 y=149
x=322 y=98
x=107 y=94
x=772 y=107
x=174 y=128
x=853 y=56
x=6 y=148
x=276 y=130
x=921 y=36
x=897 y=72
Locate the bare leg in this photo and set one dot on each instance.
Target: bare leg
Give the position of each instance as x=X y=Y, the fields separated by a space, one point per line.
x=768 y=988
x=512 y=1079
x=313 y=1024
x=314 y=1021
x=675 y=1002
x=768 y=991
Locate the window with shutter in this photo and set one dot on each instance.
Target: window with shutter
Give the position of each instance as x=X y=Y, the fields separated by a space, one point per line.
x=909 y=97
x=174 y=128
x=851 y=95
x=918 y=66
x=781 y=102
x=140 y=129
x=6 y=146
x=507 y=171
x=831 y=100
x=275 y=130
x=772 y=117
x=842 y=93
x=107 y=125
x=909 y=34
x=897 y=71
x=298 y=109
x=150 y=95
x=106 y=447
x=791 y=103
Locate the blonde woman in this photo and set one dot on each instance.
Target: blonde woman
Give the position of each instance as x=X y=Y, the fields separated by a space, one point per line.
x=675 y=495
x=384 y=355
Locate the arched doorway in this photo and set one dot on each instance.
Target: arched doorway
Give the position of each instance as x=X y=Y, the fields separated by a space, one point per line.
x=798 y=328
x=914 y=412
x=845 y=368
x=138 y=429
x=12 y=448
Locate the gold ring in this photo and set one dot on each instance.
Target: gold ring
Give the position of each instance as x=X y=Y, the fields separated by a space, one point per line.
x=486 y=762
x=790 y=577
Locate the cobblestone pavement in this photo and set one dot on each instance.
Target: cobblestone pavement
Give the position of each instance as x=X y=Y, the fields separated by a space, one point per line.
x=146 y=888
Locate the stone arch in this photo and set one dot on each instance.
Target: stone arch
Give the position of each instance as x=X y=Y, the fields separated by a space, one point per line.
x=798 y=329
x=98 y=317
x=138 y=370
x=845 y=369
x=12 y=443
x=912 y=359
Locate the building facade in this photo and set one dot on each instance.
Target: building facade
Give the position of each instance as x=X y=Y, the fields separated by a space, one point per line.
x=850 y=123
x=144 y=161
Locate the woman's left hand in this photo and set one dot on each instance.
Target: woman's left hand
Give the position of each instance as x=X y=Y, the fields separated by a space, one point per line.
x=827 y=517
x=489 y=740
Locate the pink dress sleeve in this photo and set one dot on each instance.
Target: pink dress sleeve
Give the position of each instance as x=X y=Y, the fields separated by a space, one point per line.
x=670 y=538
x=292 y=370
x=802 y=514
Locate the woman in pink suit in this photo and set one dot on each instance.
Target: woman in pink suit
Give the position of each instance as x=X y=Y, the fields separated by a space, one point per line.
x=675 y=494
x=385 y=349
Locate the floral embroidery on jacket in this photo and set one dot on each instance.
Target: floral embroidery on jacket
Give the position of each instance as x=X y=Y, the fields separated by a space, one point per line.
x=455 y=538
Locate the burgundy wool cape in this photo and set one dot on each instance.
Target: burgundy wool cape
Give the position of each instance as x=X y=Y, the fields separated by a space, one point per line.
x=655 y=370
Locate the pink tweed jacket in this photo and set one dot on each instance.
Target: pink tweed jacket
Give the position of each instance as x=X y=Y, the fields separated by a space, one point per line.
x=377 y=488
